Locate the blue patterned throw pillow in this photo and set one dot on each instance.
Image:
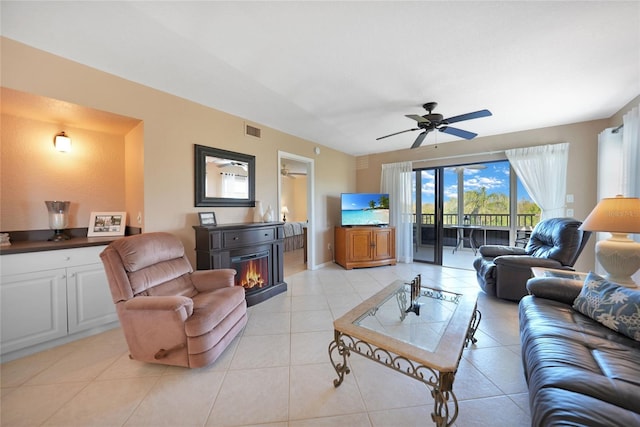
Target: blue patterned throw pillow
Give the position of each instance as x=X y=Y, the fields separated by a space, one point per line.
x=613 y=305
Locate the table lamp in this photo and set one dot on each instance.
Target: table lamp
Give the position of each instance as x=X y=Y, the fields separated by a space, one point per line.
x=284 y=211
x=618 y=255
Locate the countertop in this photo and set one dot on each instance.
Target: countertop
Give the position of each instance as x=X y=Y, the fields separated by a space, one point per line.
x=20 y=247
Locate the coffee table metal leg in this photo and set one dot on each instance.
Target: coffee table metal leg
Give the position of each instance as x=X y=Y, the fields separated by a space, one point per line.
x=473 y=327
x=442 y=396
x=341 y=367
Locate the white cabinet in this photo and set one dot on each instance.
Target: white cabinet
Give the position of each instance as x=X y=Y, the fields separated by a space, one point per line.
x=33 y=308
x=89 y=302
x=50 y=295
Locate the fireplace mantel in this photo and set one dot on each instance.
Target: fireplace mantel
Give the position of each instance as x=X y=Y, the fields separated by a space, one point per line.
x=218 y=246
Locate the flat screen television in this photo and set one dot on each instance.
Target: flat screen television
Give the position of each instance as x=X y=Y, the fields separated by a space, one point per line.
x=364 y=209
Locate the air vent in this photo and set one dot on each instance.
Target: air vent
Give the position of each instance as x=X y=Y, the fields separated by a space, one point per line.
x=362 y=162
x=253 y=131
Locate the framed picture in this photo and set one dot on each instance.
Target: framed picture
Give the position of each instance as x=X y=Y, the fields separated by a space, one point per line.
x=207 y=218
x=107 y=224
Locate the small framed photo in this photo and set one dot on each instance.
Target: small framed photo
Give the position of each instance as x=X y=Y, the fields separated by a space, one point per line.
x=107 y=224
x=207 y=218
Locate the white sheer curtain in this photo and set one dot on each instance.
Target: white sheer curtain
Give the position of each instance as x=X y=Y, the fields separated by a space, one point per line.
x=631 y=153
x=619 y=165
x=609 y=173
x=543 y=172
x=631 y=157
x=609 y=163
x=396 y=181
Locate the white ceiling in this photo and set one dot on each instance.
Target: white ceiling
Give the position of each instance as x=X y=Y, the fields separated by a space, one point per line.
x=343 y=73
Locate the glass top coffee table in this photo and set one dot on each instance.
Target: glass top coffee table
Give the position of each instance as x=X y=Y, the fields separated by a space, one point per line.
x=417 y=330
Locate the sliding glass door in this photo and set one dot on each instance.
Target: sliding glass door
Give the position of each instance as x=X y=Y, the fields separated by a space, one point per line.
x=427 y=208
x=460 y=207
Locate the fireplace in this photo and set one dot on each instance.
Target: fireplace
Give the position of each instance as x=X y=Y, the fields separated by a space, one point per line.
x=252 y=271
x=254 y=250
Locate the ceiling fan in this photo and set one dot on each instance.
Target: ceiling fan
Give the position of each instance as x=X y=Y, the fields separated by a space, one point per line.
x=286 y=172
x=434 y=121
x=226 y=163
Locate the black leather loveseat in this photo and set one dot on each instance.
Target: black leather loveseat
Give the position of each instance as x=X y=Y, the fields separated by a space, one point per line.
x=579 y=372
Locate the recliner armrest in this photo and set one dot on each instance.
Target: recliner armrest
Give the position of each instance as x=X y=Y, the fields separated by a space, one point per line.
x=160 y=303
x=555 y=288
x=209 y=280
x=492 y=251
x=526 y=261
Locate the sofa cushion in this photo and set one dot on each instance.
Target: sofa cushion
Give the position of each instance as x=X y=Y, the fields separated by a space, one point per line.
x=577 y=360
x=558 y=407
x=610 y=304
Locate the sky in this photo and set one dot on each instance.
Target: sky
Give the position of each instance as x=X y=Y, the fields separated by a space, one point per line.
x=495 y=178
x=353 y=201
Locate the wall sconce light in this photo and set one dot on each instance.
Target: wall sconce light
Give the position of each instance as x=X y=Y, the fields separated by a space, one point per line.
x=619 y=255
x=62 y=142
x=284 y=211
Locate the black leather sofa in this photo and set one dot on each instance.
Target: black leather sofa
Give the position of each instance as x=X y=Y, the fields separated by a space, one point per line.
x=579 y=372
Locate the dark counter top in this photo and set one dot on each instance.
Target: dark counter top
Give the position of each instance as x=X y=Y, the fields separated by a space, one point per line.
x=36 y=240
x=20 y=247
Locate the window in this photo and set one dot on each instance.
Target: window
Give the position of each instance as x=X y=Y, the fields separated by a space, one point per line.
x=486 y=194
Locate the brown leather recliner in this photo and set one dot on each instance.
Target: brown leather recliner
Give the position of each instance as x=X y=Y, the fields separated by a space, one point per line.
x=503 y=271
x=170 y=314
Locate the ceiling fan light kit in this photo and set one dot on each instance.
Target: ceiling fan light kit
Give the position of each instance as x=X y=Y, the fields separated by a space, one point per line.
x=289 y=174
x=434 y=121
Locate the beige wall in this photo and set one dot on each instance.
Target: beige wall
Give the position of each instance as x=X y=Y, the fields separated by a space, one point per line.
x=171 y=126
x=134 y=176
x=91 y=176
x=294 y=197
x=616 y=119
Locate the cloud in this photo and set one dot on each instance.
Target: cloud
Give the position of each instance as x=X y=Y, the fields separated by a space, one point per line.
x=488 y=182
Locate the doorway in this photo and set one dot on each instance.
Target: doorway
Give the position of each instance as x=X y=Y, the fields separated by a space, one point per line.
x=427 y=233
x=296 y=207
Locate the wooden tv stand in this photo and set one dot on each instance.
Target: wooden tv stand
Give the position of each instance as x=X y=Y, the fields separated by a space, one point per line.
x=364 y=246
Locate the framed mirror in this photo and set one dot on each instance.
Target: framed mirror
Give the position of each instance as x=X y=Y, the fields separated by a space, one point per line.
x=224 y=178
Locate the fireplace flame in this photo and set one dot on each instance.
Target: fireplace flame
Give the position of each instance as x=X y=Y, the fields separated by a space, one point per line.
x=252 y=276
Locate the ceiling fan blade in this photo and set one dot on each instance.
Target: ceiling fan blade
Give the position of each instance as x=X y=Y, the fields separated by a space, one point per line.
x=397 y=133
x=420 y=138
x=417 y=118
x=468 y=116
x=458 y=132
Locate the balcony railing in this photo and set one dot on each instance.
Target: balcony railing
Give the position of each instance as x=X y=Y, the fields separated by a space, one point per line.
x=484 y=220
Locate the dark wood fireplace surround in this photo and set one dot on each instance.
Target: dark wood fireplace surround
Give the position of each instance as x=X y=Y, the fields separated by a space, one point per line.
x=217 y=246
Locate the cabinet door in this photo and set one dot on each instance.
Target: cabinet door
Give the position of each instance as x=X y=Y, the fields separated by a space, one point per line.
x=384 y=244
x=360 y=245
x=33 y=308
x=88 y=298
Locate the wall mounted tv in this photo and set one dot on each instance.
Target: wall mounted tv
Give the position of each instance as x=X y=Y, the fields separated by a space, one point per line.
x=364 y=209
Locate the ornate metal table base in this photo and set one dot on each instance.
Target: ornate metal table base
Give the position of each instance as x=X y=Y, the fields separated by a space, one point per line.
x=440 y=384
x=445 y=409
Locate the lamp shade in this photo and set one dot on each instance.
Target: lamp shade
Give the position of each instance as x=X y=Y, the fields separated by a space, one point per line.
x=62 y=142
x=614 y=215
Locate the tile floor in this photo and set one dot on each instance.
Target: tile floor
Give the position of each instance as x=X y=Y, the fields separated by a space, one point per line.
x=277 y=373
